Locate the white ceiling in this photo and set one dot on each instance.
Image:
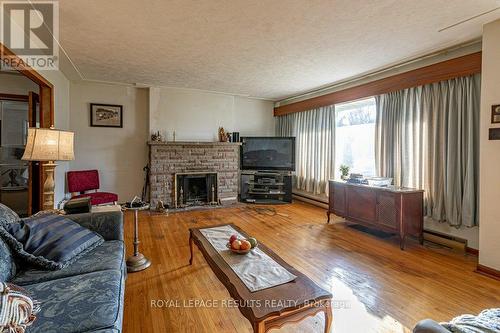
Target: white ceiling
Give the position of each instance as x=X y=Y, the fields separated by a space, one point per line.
x=261 y=48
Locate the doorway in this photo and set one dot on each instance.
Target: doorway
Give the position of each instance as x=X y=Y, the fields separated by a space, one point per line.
x=19 y=180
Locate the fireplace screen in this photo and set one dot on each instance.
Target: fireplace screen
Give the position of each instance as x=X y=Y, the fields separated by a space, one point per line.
x=196 y=189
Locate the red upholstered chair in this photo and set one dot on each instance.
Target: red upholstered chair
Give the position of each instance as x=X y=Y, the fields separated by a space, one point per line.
x=79 y=182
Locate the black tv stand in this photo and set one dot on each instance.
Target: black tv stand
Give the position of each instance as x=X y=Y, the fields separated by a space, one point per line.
x=266 y=187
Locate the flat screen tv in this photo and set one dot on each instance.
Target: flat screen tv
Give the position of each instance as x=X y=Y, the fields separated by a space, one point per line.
x=268 y=153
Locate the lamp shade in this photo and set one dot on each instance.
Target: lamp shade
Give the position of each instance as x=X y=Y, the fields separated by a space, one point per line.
x=46 y=144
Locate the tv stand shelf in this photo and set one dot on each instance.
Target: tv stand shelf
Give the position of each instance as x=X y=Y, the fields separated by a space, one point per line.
x=266 y=187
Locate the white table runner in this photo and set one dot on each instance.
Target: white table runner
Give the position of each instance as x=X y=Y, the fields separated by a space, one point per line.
x=256 y=269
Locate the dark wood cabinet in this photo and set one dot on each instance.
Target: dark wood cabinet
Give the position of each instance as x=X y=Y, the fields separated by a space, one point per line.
x=390 y=209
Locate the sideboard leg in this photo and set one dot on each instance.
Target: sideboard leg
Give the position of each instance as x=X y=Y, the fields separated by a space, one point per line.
x=421 y=239
x=402 y=240
x=327 y=216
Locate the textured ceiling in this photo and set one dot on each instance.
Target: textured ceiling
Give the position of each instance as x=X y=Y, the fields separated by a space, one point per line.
x=261 y=48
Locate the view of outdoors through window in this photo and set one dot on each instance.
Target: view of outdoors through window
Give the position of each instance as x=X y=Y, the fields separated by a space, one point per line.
x=355 y=136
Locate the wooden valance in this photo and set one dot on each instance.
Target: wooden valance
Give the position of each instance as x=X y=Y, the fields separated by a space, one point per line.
x=449 y=69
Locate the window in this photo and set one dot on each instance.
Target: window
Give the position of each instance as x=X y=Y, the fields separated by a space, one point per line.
x=355 y=136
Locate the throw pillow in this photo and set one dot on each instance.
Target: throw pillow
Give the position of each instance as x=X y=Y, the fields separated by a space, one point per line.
x=17 y=309
x=50 y=241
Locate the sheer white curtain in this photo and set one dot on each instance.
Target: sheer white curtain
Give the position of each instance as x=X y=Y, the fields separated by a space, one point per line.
x=427 y=137
x=314 y=133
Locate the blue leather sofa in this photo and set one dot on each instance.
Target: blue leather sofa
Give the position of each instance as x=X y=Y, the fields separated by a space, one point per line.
x=86 y=296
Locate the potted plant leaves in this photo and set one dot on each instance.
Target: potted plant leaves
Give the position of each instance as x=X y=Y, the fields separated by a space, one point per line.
x=344 y=172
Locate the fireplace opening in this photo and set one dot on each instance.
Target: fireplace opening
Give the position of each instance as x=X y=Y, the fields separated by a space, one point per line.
x=196 y=189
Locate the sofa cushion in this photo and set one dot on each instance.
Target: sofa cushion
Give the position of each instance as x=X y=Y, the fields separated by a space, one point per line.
x=49 y=241
x=81 y=303
x=107 y=256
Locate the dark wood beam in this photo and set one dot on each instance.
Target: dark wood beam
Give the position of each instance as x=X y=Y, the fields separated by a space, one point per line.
x=449 y=69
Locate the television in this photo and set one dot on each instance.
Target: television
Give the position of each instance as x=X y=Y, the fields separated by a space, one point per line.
x=268 y=153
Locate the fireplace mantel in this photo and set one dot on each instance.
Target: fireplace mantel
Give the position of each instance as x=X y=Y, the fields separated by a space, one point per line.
x=193 y=143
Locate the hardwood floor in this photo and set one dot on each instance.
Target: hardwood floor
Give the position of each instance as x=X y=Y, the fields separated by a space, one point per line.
x=376 y=287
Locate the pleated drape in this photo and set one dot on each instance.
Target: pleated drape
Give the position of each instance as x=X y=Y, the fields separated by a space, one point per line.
x=427 y=137
x=314 y=132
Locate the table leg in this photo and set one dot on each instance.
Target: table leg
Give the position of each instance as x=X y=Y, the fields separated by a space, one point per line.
x=328 y=317
x=136 y=232
x=191 y=248
x=259 y=327
x=328 y=216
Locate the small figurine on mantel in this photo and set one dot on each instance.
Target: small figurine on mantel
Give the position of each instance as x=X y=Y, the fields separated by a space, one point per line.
x=157 y=137
x=223 y=135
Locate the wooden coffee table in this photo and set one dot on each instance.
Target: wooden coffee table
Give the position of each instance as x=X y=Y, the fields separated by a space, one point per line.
x=272 y=307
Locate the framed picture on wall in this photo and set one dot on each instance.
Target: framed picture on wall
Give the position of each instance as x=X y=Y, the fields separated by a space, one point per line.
x=495 y=114
x=106 y=115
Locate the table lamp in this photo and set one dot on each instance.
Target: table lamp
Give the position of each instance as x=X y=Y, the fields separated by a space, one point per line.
x=48 y=145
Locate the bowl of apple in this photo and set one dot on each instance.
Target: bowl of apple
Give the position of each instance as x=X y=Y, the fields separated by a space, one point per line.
x=241 y=246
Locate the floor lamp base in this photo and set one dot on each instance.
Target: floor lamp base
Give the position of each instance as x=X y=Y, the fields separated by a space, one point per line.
x=48 y=186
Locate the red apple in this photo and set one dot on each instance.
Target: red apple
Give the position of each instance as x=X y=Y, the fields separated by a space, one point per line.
x=233 y=238
x=236 y=245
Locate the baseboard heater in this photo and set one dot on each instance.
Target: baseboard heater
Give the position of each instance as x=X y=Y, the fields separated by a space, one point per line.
x=310 y=199
x=446 y=240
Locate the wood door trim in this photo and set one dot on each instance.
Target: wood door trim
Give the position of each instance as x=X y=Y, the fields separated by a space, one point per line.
x=25 y=69
x=46 y=98
x=46 y=88
x=13 y=97
x=445 y=70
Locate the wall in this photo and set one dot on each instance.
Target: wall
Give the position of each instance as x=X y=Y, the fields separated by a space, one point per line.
x=489 y=182
x=118 y=153
x=196 y=115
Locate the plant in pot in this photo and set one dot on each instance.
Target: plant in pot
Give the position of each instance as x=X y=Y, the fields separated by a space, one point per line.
x=344 y=171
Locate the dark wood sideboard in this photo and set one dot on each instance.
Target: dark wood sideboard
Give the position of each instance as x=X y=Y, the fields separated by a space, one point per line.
x=390 y=209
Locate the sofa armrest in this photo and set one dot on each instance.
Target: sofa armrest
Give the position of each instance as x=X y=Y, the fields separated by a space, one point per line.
x=108 y=224
x=429 y=326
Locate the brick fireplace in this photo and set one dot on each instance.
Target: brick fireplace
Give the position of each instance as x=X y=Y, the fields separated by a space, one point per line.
x=204 y=170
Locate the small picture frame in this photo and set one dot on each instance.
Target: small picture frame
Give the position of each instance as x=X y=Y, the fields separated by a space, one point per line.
x=495 y=114
x=106 y=115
